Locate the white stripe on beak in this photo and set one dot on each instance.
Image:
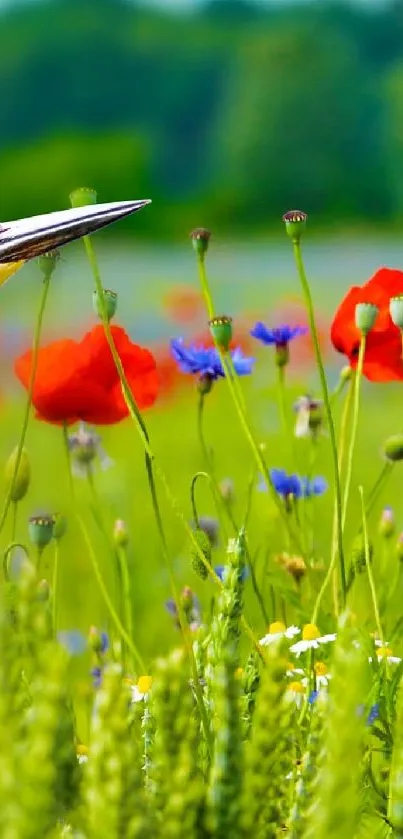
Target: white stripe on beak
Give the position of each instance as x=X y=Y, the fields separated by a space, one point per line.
x=30 y=237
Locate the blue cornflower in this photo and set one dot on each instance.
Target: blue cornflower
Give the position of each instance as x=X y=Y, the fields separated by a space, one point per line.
x=96 y=673
x=373 y=714
x=220 y=570
x=205 y=361
x=280 y=336
x=292 y=485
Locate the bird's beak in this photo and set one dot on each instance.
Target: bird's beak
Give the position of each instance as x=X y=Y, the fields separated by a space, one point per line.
x=29 y=237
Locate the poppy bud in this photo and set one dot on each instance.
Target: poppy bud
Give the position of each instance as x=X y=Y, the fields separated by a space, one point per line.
x=204 y=384
x=59 y=525
x=295 y=224
x=227 y=490
x=200 y=240
x=110 y=303
x=40 y=530
x=221 y=331
x=204 y=544
x=393 y=448
x=83 y=196
x=47 y=263
x=22 y=479
x=365 y=316
x=396 y=311
x=387 y=524
x=120 y=534
x=43 y=591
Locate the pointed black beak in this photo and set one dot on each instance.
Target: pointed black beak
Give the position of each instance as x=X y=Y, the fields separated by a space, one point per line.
x=30 y=237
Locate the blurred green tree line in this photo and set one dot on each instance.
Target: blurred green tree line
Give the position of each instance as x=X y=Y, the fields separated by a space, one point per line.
x=227 y=116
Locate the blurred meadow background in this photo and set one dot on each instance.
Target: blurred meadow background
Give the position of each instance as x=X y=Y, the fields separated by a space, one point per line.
x=225 y=113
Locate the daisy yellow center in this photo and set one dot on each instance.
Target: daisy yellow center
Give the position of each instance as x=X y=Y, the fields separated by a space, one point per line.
x=276 y=627
x=144 y=684
x=310 y=632
x=384 y=652
x=320 y=668
x=296 y=687
x=82 y=750
x=290 y=665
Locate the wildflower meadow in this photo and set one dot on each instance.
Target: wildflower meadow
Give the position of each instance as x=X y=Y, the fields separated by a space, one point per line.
x=201 y=605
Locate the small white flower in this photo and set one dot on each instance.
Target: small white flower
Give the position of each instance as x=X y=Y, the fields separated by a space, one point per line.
x=82 y=754
x=322 y=676
x=384 y=653
x=279 y=630
x=141 y=690
x=295 y=693
x=311 y=639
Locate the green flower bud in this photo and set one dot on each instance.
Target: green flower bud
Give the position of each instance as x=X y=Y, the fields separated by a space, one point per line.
x=399 y=548
x=221 y=330
x=346 y=373
x=200 y=240
x=227 y=490
x=120 y=534
x=110 y=303
x=358 y=554
x=43 y=591
x=393 y=448
x=295 y=224
x=282 y=354
x=47 y=263
x=204 y=544
x=396 y=311
x=22 y=480
x=204 y=384
x=387 y=524
x=40 y=530
x=365 y=316
x=59 y=525
x=83 y=196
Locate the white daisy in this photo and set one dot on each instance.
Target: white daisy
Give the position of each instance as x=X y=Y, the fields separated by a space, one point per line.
x=322 y=675
x=384 y=653
x=141 y=689
x=295 y=692
x=311 y=639
x=82 y=753
x=279 y=630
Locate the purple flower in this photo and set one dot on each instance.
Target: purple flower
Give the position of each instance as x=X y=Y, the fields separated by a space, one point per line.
x=279 y=336
x=220 y=570
x=206 y=362
x=96 y=673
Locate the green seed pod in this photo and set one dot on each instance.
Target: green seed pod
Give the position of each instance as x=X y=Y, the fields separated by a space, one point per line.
x=113 y=793
x=59 y=525
x=19 y=488
x=47 y=263
x=395 y=797
x=365 y=317
x=396 y=311
x=295 y=224
x=336 y=810
x=204 y=544
x=221 y=331
x=110 y=303
x=200 y=240
x=393 y=448
x=83 y=196
x=269 y=756
x=223 y=696
x=40 y=530
x=177 y=784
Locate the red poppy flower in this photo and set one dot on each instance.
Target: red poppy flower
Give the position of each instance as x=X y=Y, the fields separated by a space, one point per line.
x=383 y=354
x=77 y=380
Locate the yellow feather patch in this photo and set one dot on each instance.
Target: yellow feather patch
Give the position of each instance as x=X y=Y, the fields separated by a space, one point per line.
x=7 y=269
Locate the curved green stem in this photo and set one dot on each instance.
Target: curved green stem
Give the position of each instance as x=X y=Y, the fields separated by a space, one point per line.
x=23 y=434
x=6 y=555
x=354 y=429
x=210 y=465
x=326 y=399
